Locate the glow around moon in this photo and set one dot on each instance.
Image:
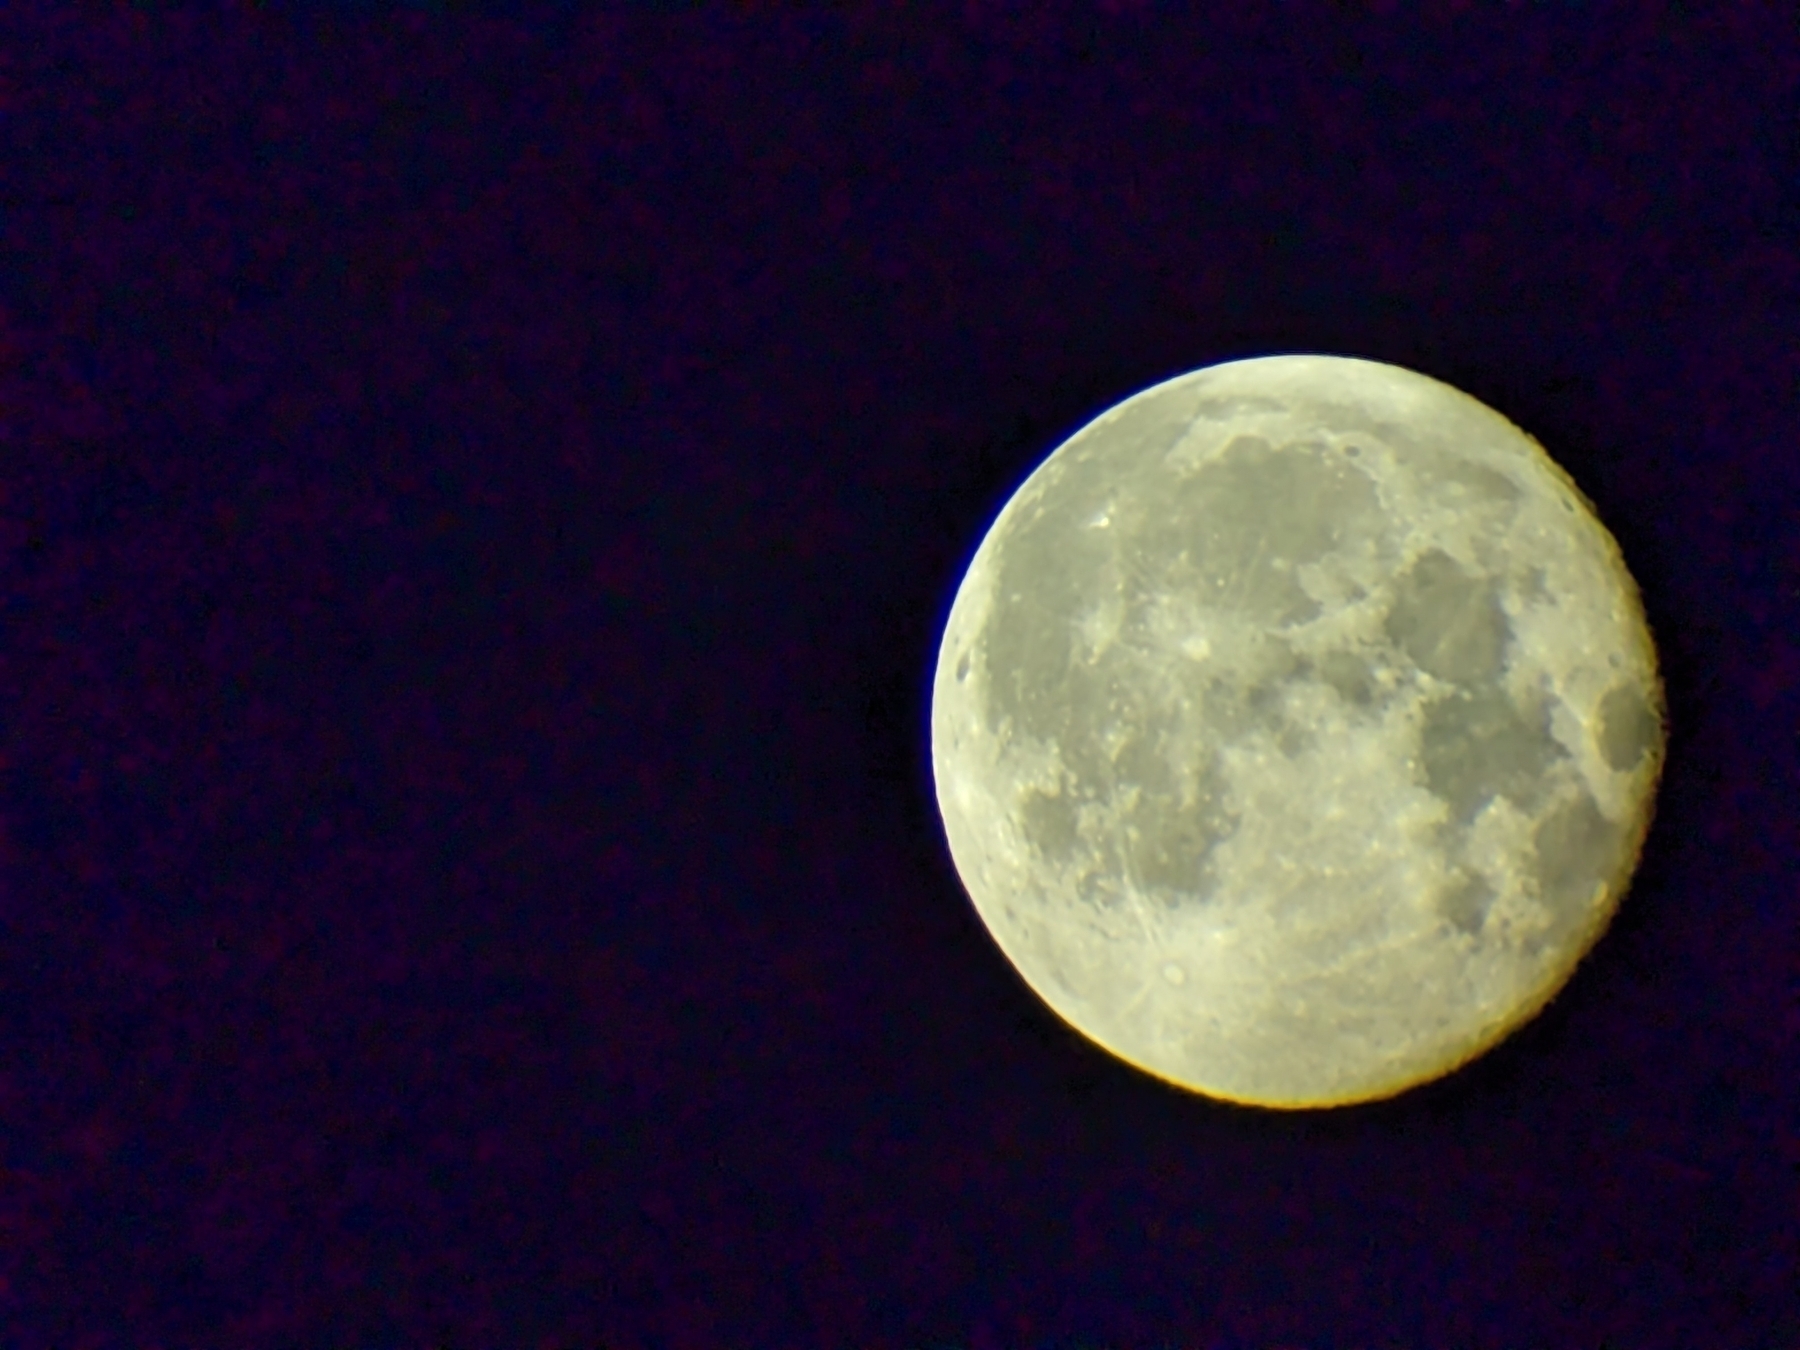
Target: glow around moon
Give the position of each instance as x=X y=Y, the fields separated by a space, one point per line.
x=1296 y=729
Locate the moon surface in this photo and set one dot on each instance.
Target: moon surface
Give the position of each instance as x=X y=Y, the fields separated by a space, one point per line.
x=1296 y=729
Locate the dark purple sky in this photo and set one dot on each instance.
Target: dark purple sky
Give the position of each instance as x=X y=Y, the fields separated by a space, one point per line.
x=478 y=496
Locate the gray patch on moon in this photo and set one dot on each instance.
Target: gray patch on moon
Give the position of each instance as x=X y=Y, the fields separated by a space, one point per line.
x=1477 y=745
x=1449 y=622
x=1576 y=849
x=1465 y=902
x=1050 y=821
x=1628 y=727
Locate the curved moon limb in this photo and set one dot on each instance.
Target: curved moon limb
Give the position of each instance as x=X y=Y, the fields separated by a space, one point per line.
x=1296 y=729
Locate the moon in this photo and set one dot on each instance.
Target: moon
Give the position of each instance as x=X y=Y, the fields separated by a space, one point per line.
x=1296 y=729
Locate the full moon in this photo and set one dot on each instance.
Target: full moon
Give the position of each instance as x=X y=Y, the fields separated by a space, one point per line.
x=1296 y=729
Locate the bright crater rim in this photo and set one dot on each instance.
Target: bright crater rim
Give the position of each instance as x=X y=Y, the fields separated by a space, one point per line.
x=1296 y=729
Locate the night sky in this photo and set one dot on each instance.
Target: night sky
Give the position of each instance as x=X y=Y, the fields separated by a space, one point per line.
x=479 y=495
